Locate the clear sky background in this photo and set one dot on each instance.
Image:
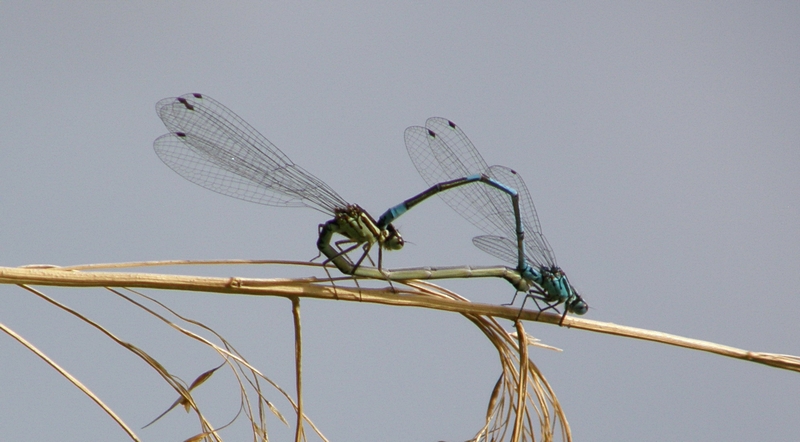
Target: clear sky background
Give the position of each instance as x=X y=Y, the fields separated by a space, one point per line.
x=661 y=143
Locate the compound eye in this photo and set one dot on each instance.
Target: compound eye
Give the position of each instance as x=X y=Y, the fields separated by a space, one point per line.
x=579 y=307
x=393 y=239
x=394 y=243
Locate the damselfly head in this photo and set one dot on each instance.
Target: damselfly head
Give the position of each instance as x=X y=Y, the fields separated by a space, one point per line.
x=575 y=302
x=392 y=240
x=577 y=305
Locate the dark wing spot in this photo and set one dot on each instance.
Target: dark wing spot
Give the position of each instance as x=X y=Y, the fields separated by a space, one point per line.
x=185 y=103
x=431 y=133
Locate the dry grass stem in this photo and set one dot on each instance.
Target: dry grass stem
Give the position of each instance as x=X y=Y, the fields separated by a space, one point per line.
x=170 y=379
x=522 y=406
x=318 y=288
x=243 y=371
x=522 y=400
x=298 y=361
x=71 y=379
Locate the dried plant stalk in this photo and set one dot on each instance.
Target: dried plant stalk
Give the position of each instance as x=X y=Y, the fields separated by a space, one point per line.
x=72 y=380
x=522 y=406
x=521 y=392
x=239 y=366
x=317 y=288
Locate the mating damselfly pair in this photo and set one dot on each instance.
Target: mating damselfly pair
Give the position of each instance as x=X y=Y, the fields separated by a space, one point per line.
x=211 y=146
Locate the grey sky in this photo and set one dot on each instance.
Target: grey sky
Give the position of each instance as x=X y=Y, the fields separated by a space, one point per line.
x=660 y=141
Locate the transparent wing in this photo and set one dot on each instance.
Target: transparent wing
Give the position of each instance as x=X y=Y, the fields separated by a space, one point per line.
x=441 y=151
x=513 y=179
x=501 y=248
x=437 y=160
x=213 y=147
x=537 y=249
x=457 y=142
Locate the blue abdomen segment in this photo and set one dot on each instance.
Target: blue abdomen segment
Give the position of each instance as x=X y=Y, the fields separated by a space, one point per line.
x=392 y=214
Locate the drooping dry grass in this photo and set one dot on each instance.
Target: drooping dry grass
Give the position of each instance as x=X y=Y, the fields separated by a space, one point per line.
x=522 y=405
x=254 y=402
